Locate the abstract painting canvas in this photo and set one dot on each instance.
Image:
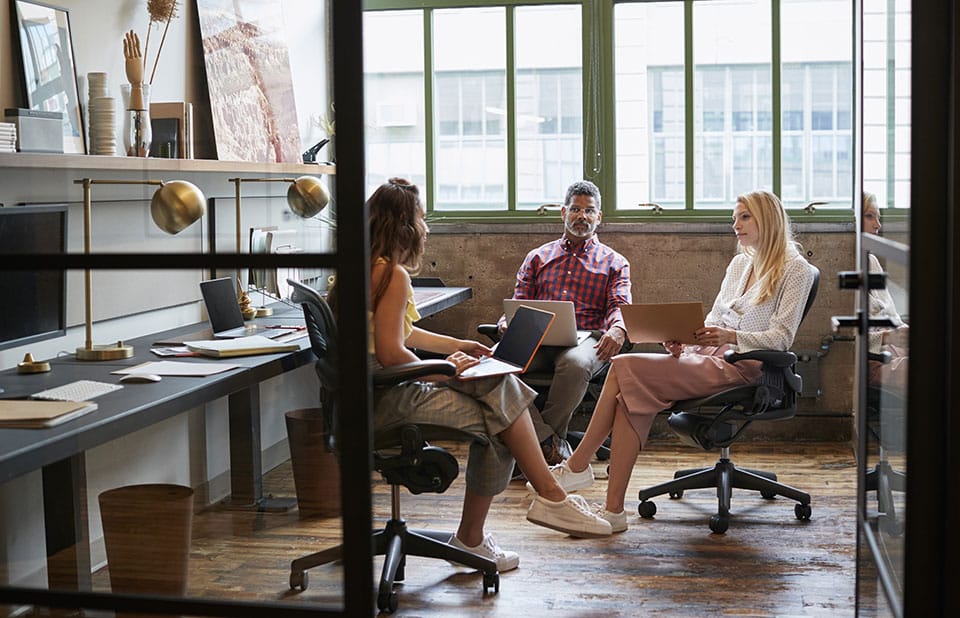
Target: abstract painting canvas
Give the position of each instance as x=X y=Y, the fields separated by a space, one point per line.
x=249 y=81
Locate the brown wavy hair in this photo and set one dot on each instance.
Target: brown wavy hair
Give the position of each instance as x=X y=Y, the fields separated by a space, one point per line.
x=397 y=229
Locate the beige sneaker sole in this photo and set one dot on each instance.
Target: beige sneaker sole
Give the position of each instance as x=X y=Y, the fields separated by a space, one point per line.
x=580 y=534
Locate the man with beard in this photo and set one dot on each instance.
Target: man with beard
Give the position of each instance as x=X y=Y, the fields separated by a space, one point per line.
x=579 y=268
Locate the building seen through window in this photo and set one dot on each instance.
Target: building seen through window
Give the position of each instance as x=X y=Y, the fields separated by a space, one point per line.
x=662 y=153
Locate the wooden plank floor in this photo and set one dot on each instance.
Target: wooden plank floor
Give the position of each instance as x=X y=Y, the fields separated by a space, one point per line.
x=767 y=564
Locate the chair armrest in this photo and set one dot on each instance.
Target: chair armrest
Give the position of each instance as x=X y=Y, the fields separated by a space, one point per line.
x=489 y=330
x=390 y=376
x=774 y=358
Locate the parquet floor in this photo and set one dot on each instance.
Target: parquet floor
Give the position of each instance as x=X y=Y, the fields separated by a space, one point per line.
x=767 y=564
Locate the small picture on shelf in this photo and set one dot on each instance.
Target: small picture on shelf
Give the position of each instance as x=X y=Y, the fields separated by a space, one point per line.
x=172 y=130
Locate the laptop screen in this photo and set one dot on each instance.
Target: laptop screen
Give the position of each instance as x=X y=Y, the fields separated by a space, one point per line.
x=220 y=299
x=523 y=336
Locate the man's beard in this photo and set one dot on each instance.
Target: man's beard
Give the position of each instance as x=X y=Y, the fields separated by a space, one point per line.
x=587 y=233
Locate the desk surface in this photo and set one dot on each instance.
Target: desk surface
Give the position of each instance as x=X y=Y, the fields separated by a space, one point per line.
x=136 y=406
x=133 y=407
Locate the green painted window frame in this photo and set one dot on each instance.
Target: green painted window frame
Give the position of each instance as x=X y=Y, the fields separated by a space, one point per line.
x=600 y=136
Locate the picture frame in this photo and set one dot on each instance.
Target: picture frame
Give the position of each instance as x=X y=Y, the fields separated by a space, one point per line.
x=172 y=124
x=48 y=75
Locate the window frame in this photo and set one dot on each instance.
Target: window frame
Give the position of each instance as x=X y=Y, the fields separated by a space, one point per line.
x=599 y=135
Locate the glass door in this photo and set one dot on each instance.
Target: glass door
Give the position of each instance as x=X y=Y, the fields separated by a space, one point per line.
x=909 y=297
x=882 y=319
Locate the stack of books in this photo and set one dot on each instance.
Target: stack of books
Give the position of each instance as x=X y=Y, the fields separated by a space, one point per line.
x=8 y=137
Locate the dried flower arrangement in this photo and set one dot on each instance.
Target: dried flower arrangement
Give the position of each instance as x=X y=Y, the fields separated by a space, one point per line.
x=161 y=11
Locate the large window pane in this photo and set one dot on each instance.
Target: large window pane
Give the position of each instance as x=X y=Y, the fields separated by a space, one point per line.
x=393 y=98
x=549 y=108
x=816 y=99
x=732 y=104
x=649 y=104
x=886 y=102
x=470 y=96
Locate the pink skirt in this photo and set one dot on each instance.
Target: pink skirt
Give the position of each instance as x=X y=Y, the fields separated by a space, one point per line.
x=651 y=383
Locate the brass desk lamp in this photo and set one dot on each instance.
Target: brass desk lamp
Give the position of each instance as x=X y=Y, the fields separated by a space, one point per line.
x=306 y=196
x=175 y=206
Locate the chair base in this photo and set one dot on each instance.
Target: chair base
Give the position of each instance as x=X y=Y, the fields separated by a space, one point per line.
x=885 y=480
x=724 y=476
x=395 y=542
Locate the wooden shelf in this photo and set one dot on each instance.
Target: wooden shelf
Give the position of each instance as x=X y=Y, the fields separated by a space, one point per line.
x=29 y=160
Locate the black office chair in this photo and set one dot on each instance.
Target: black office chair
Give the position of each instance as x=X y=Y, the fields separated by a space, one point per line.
x=773 y=397
x=402 y=455
x=540 y=381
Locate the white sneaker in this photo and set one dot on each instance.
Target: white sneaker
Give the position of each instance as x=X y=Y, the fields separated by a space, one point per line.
x=568 y=479
x=572 y=515
x=618 y=521
x=506 y=560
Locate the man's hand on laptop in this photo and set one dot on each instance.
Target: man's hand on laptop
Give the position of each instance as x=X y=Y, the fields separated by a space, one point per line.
x=610 y=343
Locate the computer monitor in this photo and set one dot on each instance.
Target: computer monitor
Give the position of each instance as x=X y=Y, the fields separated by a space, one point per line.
x=35 y=301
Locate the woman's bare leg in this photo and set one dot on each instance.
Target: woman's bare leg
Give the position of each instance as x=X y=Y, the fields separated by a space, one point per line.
x=521 y=438
x=624 y=448
x=600 y=426
x=473 y=517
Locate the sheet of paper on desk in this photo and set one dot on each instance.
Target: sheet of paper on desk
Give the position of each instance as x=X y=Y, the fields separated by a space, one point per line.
x=176 y=368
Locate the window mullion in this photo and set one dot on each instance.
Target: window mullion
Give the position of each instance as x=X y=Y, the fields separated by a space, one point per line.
x=511 y=95
x=776 y=121
x=689 y=160
x=430 y=119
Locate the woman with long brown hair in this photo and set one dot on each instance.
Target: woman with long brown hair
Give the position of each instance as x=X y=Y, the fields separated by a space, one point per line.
x=494 y=409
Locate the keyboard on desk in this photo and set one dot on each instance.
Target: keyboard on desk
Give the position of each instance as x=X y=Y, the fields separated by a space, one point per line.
x=81 y=390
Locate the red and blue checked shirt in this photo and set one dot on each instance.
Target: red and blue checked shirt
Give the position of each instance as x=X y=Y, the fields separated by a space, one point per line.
x=594 y=276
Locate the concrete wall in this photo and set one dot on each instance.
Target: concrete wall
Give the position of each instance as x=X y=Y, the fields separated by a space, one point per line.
x=669 y=262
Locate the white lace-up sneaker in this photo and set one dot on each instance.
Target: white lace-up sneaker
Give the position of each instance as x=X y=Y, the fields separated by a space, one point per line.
x=506 y=560
x=571 y=515
x=618 y=521
x=568 y=479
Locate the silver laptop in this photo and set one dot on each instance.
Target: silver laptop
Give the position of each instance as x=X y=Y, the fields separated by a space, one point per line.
x=516 y=348
x=564 y=330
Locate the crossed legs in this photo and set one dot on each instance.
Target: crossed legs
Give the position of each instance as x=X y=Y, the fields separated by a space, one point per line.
x=624 y=443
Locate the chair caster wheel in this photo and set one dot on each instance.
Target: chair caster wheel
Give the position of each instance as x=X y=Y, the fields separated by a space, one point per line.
x=768 y=495
x=802 y=511
x=491 y=581
x=298 y=579
x=676 y=495
x=388 y=602
x=719 y=523
x=647 y=509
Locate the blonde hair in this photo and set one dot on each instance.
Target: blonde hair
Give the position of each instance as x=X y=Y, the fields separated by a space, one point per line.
x=776 y=244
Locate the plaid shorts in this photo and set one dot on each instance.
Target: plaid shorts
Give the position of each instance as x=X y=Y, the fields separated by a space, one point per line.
x=482 y=407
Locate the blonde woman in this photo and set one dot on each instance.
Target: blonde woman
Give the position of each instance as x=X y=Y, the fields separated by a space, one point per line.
x=759 y=306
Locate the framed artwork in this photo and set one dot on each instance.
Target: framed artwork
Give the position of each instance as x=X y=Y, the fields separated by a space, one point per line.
x=249 y=81
x=48 y=76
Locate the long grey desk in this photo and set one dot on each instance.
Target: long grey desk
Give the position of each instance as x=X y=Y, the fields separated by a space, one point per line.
x=60 y=451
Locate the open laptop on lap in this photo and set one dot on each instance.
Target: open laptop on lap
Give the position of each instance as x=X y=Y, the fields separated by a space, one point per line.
x=517 y=346
x=226 y=320
x=564 y=331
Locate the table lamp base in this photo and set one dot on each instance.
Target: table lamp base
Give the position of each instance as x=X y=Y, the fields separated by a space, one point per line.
x=105 y=352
